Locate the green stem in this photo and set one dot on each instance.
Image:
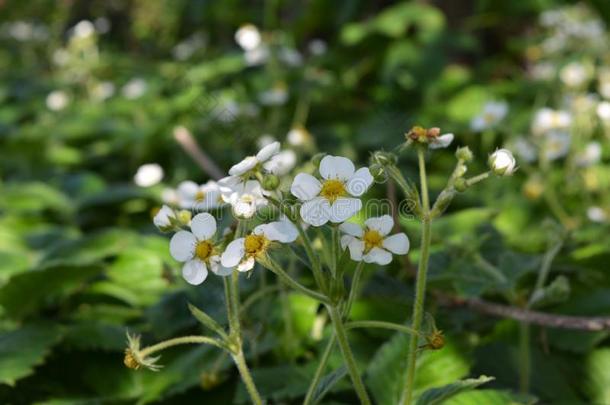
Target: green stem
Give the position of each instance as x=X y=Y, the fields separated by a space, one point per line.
x=269 y=263
x=181 y=341
x=382 y=325
x=320 y=370
x=261 y=293
x=334 y=248
x=348 y=356
x=420 y=288
x=354 y=290
x=477 y=178
x=246 y=377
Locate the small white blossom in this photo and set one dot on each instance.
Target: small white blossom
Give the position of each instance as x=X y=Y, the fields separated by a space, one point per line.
x=102 y=25
x=205 y=197
x=372 y=244
x=245 y=197
x=148 y=175
x=251 y=162
x=277 y=95
x=103 y=91
x=441 y=141
x=257 y=56
x=290 y=56
x=248 y=37
x=84 y=29
x=493 y=112
x=524 y=149
x=556 y=145
x=169 y=196
x=163 y=218
x=335 y=197
x=317 y=47
x=57 y=100
x=264 y=140
x=502 y=162
x=197 y=250
x=243 y=252
x=282 y=163
x=298 y=136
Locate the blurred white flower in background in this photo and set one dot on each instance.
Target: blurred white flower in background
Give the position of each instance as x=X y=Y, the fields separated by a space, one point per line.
x=493 y=112
x=547 y=119
x=277 y=95
x=603 y=79
x=102 y=25
x=248 y=37
x=83 y=29
x=134 y=88
x=103 y=90
x=57 y=100
x=591 y=155
x=290 y=56
x=264 y=140
x=524 y=149
x=575 y=74
x=556 y=145
x=148 y=175
x=603 y=111
x=60 y=57
x=24 y=31
x=193 y=196
x=317 y=47
x=298 y=136
x=185 y=49
x=169 y=196
x=257 y=56
x=597 y=214
x=543 y=71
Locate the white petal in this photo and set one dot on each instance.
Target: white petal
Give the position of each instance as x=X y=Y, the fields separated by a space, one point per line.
x=360 y=182
x=163 y=217
x=382 y=224
x=344 y=208
x=267 y=152
x=203 y=226
x=316 y=212
x=219 y=269
x=244 y=209
x=194 y=272
x=233 y=253
x=182 y=246
x=379 y=256
x=397 y=244
x=280 y=231
x=345 y=240
x=246 y=265
x=356 y=248
x=187 y=189
x=244 y=166
x=351 y=228
x=336 y=167
x=441 y=142
x=305 y=187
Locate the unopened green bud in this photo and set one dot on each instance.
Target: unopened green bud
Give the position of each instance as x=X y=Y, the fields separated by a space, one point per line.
x=385 y=158
x=378 y=172
x=460 y=184
x=271 y=182
x=464 y=153
x=317 y=158
x=184 y=216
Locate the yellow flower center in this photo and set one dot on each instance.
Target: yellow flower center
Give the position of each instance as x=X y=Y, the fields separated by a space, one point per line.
x=489 y=118
x=199 y=196
x=255 y=245
x=203 y=250
x=333 y=189
x=372 y=239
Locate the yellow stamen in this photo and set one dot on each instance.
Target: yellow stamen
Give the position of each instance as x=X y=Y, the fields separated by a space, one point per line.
x=203 y=250
x=372 y=239
x=255 y=245
x=199 y=196
x=333 y=189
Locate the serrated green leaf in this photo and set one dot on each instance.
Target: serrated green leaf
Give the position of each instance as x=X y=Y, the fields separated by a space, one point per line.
x=436 y=396
x=23 y=349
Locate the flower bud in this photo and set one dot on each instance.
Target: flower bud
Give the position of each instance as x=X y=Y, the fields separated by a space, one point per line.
x=502 y=162
x=464 y=153
x=385 y=158
x=460 y=184
x=378 y=172
x=271 y=182
x=435 y=340
x=317 y=158
x=184 y=216
x=164 y=219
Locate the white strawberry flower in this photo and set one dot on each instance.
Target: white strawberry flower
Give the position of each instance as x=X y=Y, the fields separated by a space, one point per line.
x=251 y=162
x=547 y=119
x=197 y=250
x=335 y=197
x=164 y=217
x=248 y=37
x=148 y=175
x=441 y=141
x=245 y=197
x=243 y=252
x=193 y=196
x=371 y=243
x=282 y=163
x=493 y=112
x=556 y=145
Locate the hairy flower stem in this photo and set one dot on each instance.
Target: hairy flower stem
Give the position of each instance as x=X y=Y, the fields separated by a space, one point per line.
x=236 y=344
x=348 y=356
x=420 y=288
x=180 y=341
x=286 y=279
